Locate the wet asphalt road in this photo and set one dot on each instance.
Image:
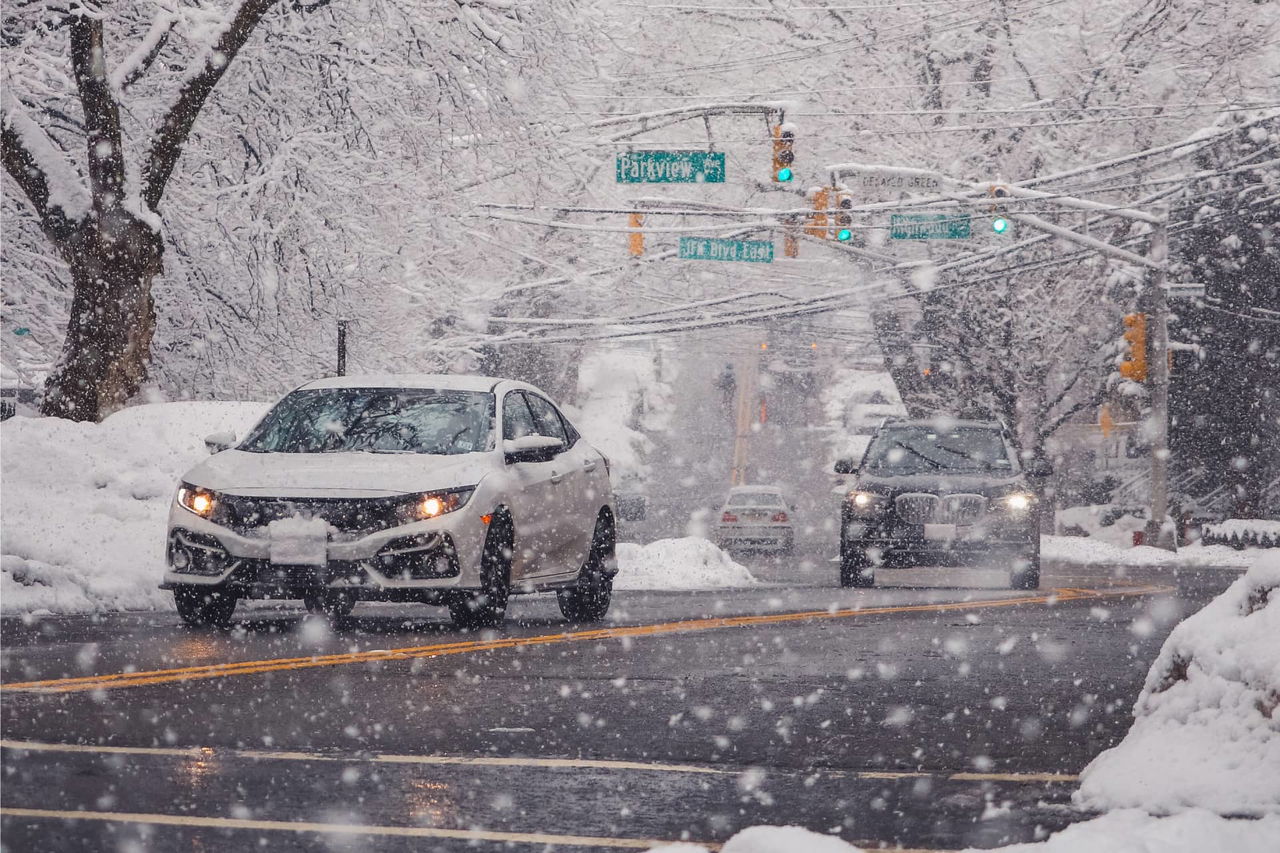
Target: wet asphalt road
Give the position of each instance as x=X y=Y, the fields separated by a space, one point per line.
x=945 y=712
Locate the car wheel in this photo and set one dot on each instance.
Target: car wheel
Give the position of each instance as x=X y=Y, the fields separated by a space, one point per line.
x=487 y=606
x=855 y=567
x=333 y=604
x=203 y=608
x=588 y=599
x=1026 y=572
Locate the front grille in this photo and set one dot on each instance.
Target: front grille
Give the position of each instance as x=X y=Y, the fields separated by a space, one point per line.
x=265 y=574
x=922 y=508
x=916 y=508
x=348 y=515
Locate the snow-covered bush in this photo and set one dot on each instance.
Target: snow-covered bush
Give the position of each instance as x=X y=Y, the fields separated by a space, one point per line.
x=1207 y=727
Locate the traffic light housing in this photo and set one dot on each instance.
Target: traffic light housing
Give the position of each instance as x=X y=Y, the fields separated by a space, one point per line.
x=635 y=240
x=842 y=220
x=1134 y=366
x=1000 y=223
x=784 y=138
x=817 y=226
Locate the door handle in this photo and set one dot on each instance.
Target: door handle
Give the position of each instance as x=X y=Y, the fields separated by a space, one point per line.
x=589 y=465
x=557 y=479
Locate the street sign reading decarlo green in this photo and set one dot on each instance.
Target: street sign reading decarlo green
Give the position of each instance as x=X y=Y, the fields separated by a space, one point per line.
x=719 y=249
x=929 y=226
x=671 y=167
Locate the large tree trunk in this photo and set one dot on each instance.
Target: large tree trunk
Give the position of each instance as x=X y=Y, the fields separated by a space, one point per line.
x=108 y=345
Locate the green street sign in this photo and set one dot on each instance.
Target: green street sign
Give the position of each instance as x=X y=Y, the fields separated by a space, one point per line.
x=671 y=167
x=718 y=249
x=929 y=226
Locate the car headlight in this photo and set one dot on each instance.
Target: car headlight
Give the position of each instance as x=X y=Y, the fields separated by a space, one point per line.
x=1018 y=503
x=434 y=504
x=197 y=500
x=863 y=501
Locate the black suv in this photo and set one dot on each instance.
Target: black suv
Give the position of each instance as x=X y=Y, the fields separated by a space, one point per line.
x=943 y=491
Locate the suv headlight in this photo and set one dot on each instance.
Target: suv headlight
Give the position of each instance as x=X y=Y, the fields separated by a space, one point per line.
x=867 y=502
x=1018 y=503
x=433 y=504
x=197 y=500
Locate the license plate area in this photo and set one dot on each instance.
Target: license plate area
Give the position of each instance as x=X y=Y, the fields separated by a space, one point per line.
x=298 y=542
x=940 y=532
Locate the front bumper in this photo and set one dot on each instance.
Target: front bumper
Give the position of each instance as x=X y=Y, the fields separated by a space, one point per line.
x=408 y=561
x=951 y=543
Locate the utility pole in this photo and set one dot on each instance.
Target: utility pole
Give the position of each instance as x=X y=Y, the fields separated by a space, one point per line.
x=1158 y=369
x=745 y=409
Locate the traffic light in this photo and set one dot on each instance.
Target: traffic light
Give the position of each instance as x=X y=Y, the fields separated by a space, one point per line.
x=843 y=220
x=784 y=138
x=1000 y=224
x=817 y=226
x=635 y=240
x=1134 y=365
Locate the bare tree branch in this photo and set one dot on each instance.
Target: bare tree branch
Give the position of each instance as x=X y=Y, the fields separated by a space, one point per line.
x=177 y=124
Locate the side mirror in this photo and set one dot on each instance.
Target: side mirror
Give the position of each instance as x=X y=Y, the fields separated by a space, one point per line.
x=531 y=448
x=220 y=441
x=846 y=466
x=1039 y=468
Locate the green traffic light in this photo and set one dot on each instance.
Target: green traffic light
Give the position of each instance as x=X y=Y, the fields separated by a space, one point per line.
x=999 y=225
x=844 y=235
x=784 y=174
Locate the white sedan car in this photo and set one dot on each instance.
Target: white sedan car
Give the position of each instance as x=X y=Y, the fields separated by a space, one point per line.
x=756 y=518
x=441 y=489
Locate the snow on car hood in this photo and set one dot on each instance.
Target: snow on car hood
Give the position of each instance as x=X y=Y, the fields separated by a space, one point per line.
x=337 y=474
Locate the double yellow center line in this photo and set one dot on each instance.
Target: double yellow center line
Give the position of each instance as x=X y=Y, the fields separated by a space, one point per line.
x=224 y=670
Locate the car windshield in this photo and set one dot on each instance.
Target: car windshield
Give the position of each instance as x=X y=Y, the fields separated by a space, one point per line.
x=918 y=450
x=376 y=420
x=755 y=499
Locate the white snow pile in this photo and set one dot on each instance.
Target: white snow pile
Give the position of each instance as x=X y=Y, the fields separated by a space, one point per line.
x=1207 y=723
x=82 y=523
x=1086 y=551
x=1129 y=831
x=622 y=398
x=688 y=563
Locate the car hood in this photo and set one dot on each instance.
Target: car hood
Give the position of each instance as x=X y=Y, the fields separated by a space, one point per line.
x=336 y=474
x=988 y=485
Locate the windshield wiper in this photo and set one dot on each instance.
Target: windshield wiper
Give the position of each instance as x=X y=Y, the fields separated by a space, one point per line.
x=935 y=463
x=982 y=462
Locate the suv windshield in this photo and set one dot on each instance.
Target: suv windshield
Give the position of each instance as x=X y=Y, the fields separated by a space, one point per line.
x=376 y=420
x=917 y=450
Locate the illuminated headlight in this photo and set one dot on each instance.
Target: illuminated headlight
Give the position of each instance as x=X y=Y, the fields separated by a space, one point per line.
x=866 y=501
x=434 y=504
x=1018 y=502
x=197 y=500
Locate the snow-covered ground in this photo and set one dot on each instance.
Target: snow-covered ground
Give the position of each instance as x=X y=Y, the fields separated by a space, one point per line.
x=85 y=505
x=1088 y=551
x=688 y=563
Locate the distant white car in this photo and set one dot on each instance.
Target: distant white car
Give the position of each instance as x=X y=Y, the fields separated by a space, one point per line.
x=756 y=518
x=441 y=489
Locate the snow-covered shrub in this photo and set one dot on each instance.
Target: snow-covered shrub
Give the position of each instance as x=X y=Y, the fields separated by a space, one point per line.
x=1243 y=533
x=1207 y=727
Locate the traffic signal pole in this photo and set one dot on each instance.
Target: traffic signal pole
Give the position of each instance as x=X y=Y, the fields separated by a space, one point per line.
x=1158 y=370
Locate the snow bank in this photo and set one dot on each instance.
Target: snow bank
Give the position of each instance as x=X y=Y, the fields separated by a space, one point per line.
x=771 y=839
x=1207 y=727
x=621 y=398
x=689 y=563
x=85 y=505
x=1134 y=831
x=1087 y=551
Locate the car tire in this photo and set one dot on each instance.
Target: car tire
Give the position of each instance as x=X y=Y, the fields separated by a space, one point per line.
x=487 y=606
x=332 y=604
x=201 y=608
x=855 y=567
x=1026 y=576
x=588 y=600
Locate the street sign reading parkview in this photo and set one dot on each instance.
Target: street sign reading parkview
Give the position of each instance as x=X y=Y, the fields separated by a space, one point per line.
x=929 y=226
x=719 y=249
x=671 y=167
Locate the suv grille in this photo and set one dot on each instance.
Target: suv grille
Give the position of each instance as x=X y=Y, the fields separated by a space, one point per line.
x=922 y=508
x=349 y=515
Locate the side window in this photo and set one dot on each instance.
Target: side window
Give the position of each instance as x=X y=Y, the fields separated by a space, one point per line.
x=547 y=418
x=517 y=422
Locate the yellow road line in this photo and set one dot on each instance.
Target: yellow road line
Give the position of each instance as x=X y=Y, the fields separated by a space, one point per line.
x=208 y=753
x=544 y=838
x=190 y=673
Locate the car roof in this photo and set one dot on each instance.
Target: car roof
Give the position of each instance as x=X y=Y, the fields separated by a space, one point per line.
x=933 y=423
x=435 y=381
x=772 y=490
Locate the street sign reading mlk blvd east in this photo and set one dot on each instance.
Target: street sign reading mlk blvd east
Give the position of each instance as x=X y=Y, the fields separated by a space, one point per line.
x=718 y=249
x=929 y=226
x=671 y=167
